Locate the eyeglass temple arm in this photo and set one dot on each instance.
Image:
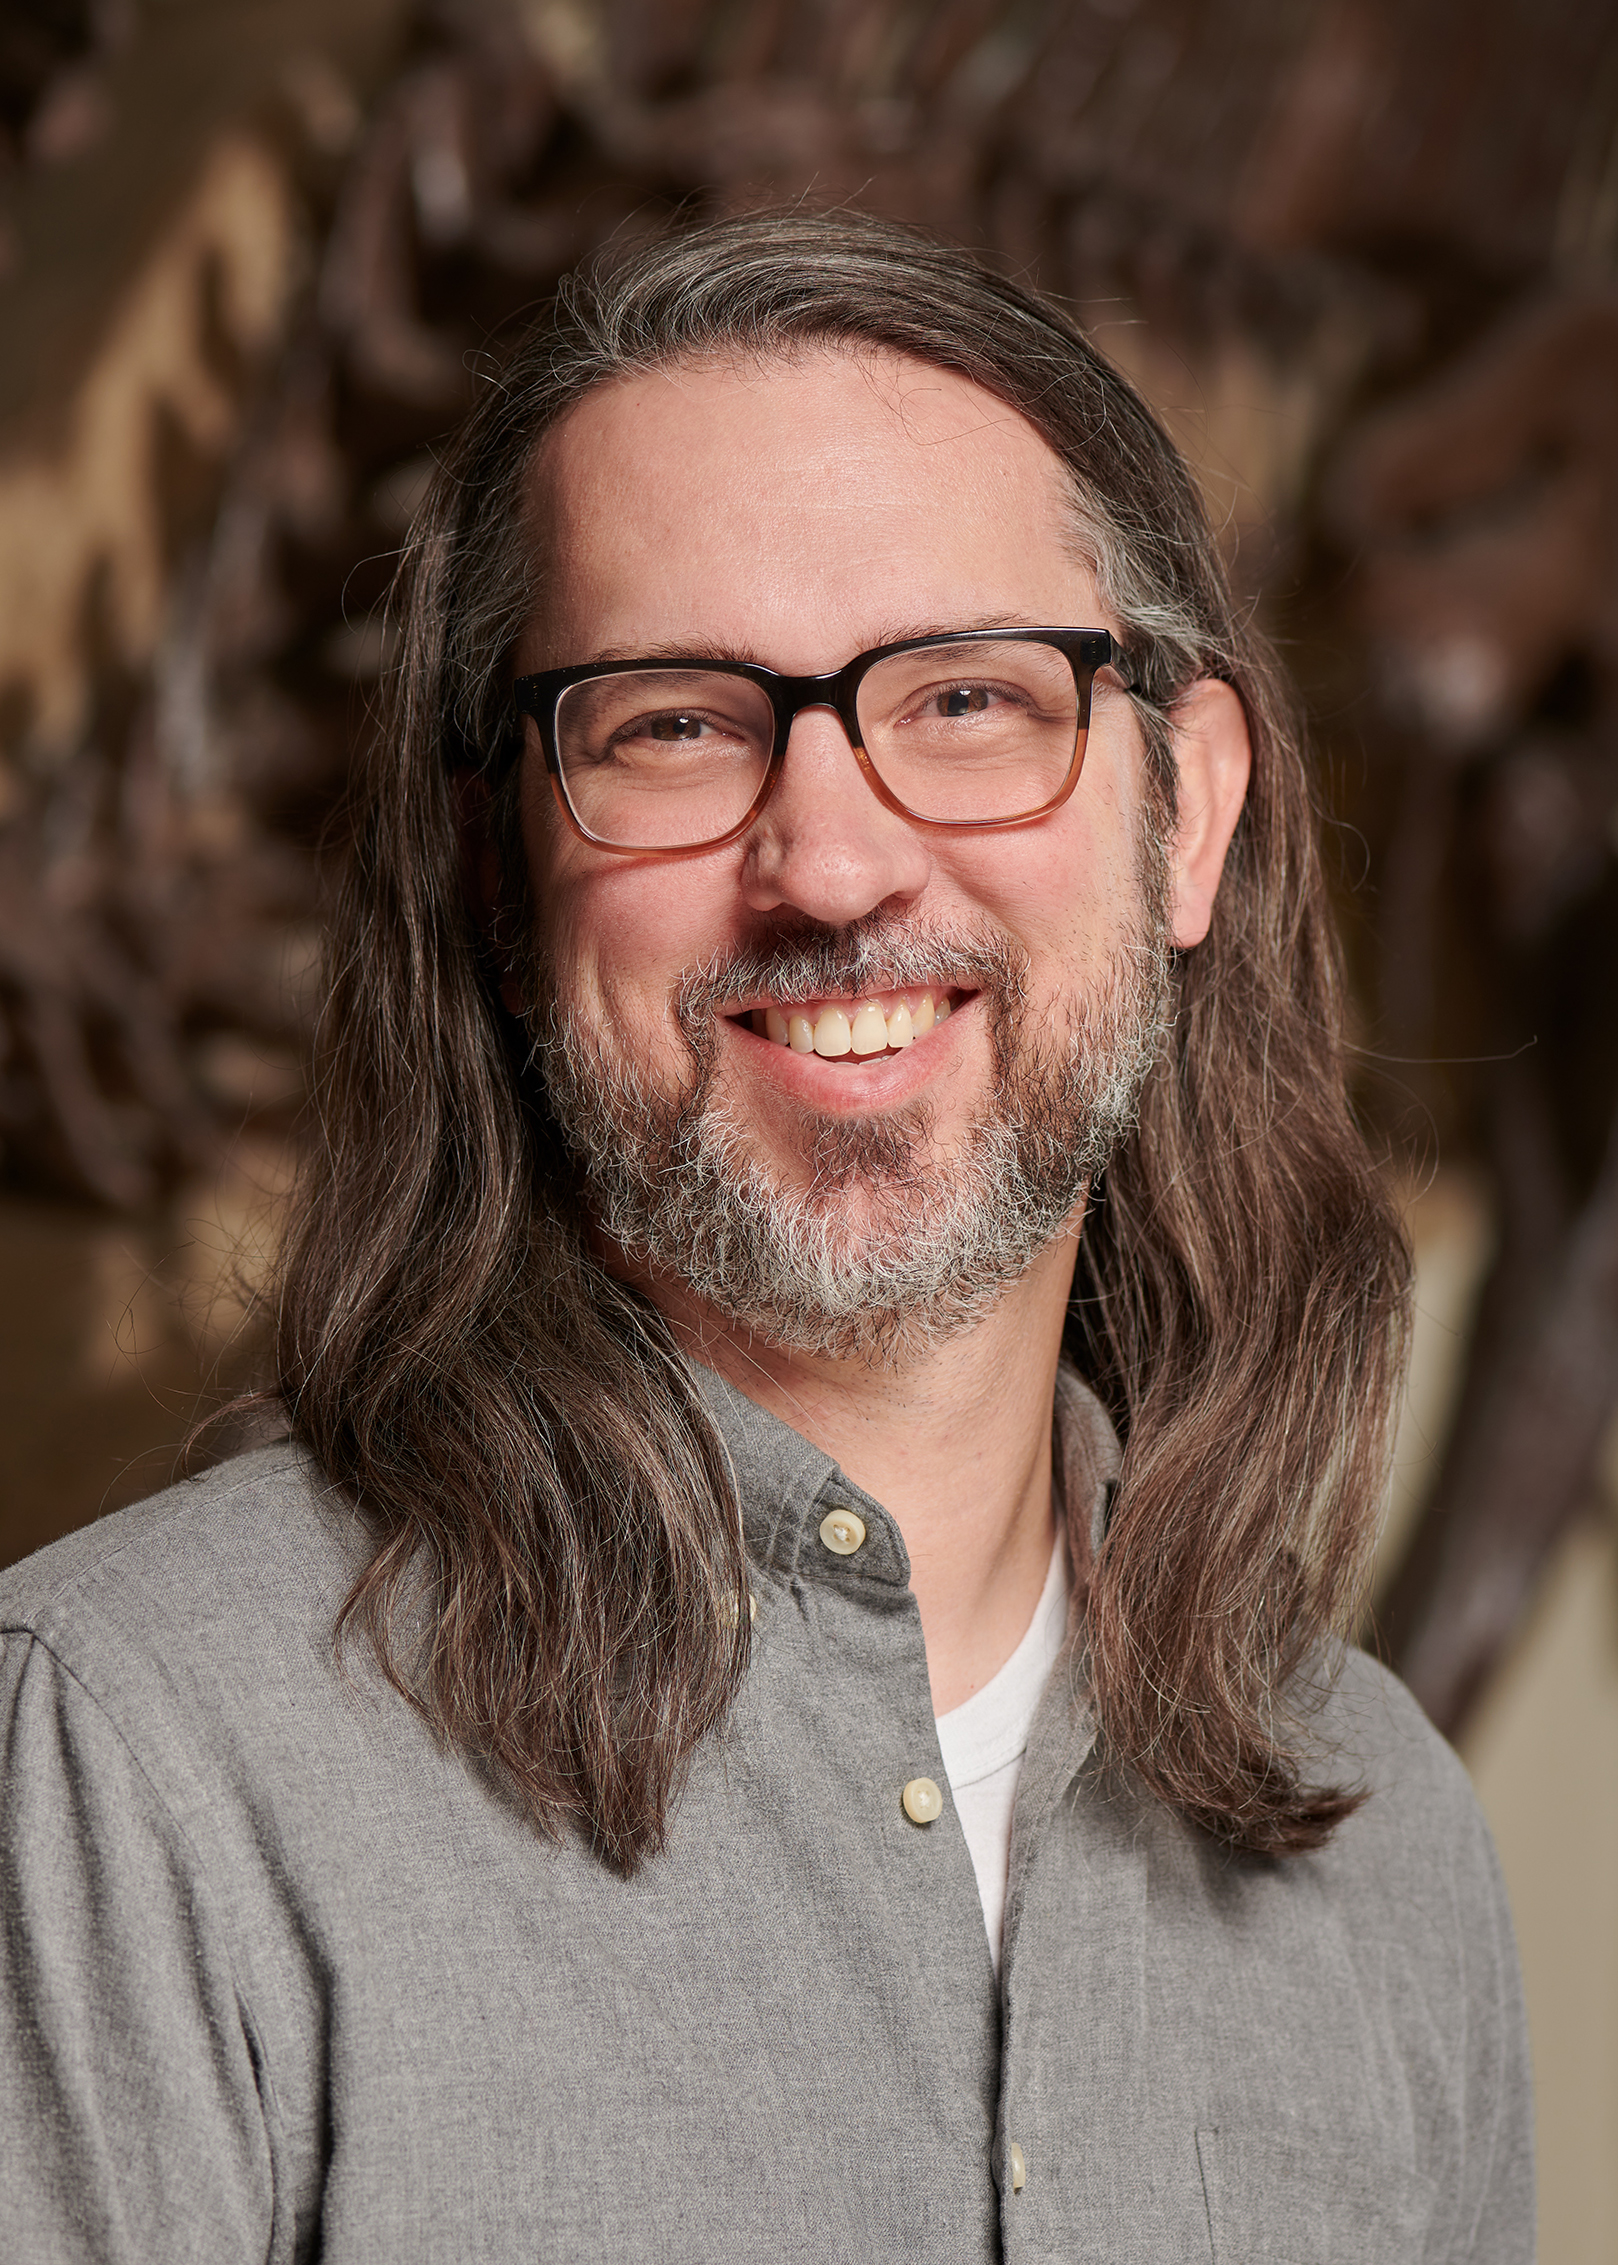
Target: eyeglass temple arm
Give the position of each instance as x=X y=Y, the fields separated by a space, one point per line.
x=1124 y=670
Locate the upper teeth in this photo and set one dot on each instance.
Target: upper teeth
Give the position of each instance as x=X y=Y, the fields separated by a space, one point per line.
x=867 y=1030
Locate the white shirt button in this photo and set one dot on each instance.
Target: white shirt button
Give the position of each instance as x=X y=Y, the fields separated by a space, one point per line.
x=922 y=1801
x=1019 y=2169
x=842 y=1532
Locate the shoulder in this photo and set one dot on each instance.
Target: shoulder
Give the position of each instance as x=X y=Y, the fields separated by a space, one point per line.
x=1417 y=1851
x=178 y=1662
x=1370 y=1732
x=1407 y=1885
x=273 y=1501
x=195 y=1582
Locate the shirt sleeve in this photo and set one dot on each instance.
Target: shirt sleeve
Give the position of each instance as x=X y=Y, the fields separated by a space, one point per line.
x=132 y=2126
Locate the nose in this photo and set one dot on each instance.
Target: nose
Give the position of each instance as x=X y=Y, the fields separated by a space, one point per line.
x=824 y=845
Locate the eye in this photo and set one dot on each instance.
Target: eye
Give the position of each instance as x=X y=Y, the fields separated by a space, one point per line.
x=657 y=735
x=951 y=703
x=679 y=726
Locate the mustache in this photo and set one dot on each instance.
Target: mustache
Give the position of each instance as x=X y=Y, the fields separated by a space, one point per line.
x=875 y=954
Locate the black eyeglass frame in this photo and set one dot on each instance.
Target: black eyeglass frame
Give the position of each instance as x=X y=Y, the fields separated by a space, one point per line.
x=1086 y=651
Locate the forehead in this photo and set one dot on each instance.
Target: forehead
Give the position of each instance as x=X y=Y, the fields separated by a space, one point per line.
x=834 y=498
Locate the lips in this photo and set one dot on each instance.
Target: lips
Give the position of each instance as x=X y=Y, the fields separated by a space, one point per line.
x=853 y=1029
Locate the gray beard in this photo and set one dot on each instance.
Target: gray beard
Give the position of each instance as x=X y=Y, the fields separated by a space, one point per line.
x=672 y=1180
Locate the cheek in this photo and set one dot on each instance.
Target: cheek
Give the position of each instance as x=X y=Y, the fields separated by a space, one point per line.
x=1091 y=881
x=611 y=952
x=618 y=935
x=1068 y=894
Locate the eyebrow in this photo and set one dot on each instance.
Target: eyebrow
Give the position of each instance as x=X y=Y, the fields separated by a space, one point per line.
x=720 y=651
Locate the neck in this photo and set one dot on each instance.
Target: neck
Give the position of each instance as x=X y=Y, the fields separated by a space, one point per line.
x=956 y=1445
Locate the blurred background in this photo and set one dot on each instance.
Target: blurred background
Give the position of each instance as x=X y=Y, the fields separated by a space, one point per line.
x=1363 y=256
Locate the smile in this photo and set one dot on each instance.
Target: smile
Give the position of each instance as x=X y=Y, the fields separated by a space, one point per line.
x=853 y=1029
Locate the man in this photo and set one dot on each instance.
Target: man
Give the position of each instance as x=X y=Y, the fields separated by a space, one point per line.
x=836 y=864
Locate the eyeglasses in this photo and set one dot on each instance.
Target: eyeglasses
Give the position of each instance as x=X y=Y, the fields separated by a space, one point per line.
x=975 y=728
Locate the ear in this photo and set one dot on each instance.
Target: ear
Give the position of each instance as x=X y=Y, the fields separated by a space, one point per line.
x=481 y=879
x=1214 y=760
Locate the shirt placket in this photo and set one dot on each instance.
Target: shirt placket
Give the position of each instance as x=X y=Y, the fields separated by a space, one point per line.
x=840 y=1572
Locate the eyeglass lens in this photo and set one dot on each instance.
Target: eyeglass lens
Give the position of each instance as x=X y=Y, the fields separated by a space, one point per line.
x=669 y=758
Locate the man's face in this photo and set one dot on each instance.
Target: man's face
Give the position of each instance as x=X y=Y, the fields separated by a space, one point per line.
x=795 y=515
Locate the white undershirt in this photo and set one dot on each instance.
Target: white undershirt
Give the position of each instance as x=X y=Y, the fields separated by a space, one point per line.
x=983 y=1740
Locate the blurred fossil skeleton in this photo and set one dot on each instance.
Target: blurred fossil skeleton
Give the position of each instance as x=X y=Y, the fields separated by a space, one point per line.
x=1417 y=264
x=1483 y=508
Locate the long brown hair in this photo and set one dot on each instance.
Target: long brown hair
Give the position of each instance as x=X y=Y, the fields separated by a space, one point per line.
x=552 y=1510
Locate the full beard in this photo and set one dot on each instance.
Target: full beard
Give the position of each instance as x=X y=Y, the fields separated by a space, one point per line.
x=895 y=1244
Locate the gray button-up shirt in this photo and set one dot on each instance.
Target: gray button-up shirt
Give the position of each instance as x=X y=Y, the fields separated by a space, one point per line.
x=286 y=1979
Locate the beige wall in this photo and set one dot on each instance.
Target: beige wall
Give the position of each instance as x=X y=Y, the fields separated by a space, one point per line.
x=1544 y=1757
x=1543 y=1752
